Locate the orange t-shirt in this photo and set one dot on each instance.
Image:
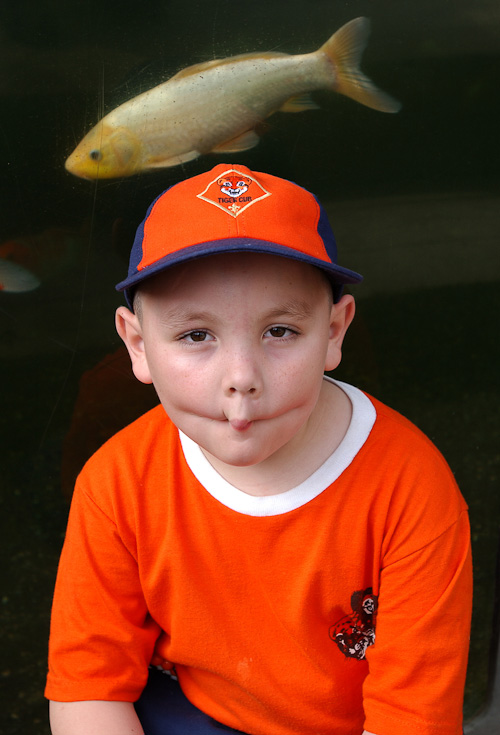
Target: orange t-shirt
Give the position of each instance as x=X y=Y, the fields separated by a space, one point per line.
x=340 y=605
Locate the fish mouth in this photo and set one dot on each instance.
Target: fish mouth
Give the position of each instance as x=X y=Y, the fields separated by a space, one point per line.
x=73 y=165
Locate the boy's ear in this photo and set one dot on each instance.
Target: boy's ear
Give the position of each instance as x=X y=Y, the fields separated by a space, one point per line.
x=341 y=316
x=129 y=328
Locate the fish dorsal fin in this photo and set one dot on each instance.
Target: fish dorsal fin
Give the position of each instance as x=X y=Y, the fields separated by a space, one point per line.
x=206 y=65
x=243 y=142
x=196 y=68
x=253 y=55
x=299 y=103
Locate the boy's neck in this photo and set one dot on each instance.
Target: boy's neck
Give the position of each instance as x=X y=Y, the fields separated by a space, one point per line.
x=302 y=456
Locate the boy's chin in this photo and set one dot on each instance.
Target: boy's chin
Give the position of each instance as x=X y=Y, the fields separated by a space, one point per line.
x=237 y=459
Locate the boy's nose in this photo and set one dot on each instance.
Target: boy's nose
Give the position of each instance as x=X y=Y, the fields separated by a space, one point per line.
x=244 y=389
x=242 y=376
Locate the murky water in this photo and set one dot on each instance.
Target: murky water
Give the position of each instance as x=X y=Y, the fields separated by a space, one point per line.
x=413 y=199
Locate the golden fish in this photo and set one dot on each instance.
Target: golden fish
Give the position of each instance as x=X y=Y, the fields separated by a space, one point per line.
x=215 y=106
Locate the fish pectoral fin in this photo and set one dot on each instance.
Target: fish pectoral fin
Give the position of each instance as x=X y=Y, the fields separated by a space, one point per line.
x=242 y=142
x=299 y=103
x=173 y=160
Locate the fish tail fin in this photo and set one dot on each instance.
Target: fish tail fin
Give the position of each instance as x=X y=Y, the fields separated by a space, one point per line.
x=345 y=49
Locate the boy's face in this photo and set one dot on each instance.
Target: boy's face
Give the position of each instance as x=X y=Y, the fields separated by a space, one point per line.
x=236 y=346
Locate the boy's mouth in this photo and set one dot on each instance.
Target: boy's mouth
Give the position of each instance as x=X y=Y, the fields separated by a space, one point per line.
x=240 y=424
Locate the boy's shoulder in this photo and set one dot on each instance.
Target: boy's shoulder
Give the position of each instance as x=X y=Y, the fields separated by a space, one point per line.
x=374 y=421
x=400 y=444
x=399 y=431
x=396 y=455
x=147 y=422
x=131 y=470
x=150 y=426
x=135 y=446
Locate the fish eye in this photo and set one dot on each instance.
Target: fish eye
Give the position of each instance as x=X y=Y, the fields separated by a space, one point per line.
x=95 y=155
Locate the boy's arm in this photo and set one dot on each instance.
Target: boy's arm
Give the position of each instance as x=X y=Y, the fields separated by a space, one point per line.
x=417 y=665
x=94 y=718
x=98 y=718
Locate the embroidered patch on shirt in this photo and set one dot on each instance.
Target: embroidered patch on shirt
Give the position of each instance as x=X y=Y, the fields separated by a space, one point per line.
x=354 y=633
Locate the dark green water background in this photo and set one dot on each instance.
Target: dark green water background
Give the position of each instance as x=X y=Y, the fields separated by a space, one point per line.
x=413 y=199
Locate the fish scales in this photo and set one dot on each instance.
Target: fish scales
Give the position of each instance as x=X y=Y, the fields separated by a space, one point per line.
x=243 y=98
x=215 y=106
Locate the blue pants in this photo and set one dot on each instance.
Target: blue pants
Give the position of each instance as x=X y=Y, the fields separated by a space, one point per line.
x=164 y=710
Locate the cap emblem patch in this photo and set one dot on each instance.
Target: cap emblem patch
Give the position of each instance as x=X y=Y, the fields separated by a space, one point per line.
x=233 y=192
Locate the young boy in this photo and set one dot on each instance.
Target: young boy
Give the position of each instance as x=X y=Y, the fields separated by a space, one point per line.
x=293 y=550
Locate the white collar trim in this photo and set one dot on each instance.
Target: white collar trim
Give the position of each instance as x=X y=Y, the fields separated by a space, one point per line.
x=362 y=420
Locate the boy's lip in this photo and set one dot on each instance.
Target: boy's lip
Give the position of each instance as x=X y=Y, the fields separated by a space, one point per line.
x=240 y=424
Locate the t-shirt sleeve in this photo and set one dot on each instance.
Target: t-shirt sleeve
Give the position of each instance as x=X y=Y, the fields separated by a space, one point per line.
x=102 y=636
x=418 y=663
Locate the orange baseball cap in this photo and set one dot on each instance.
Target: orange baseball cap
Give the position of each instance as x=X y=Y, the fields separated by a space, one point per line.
x=233 y=209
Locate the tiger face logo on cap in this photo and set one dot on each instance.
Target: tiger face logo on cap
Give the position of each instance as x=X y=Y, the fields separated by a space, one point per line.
x=233 y=192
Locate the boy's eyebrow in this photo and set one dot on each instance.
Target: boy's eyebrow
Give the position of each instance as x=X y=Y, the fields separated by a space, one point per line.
x=180 y=317
x=177 y=318
x=294 y=308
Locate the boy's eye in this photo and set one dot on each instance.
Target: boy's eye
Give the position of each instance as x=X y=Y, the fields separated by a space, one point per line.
x=279 y=332
x=197 y=335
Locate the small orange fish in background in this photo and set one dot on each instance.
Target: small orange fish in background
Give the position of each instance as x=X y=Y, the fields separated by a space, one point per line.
x=214 y=107
x=27 y=261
